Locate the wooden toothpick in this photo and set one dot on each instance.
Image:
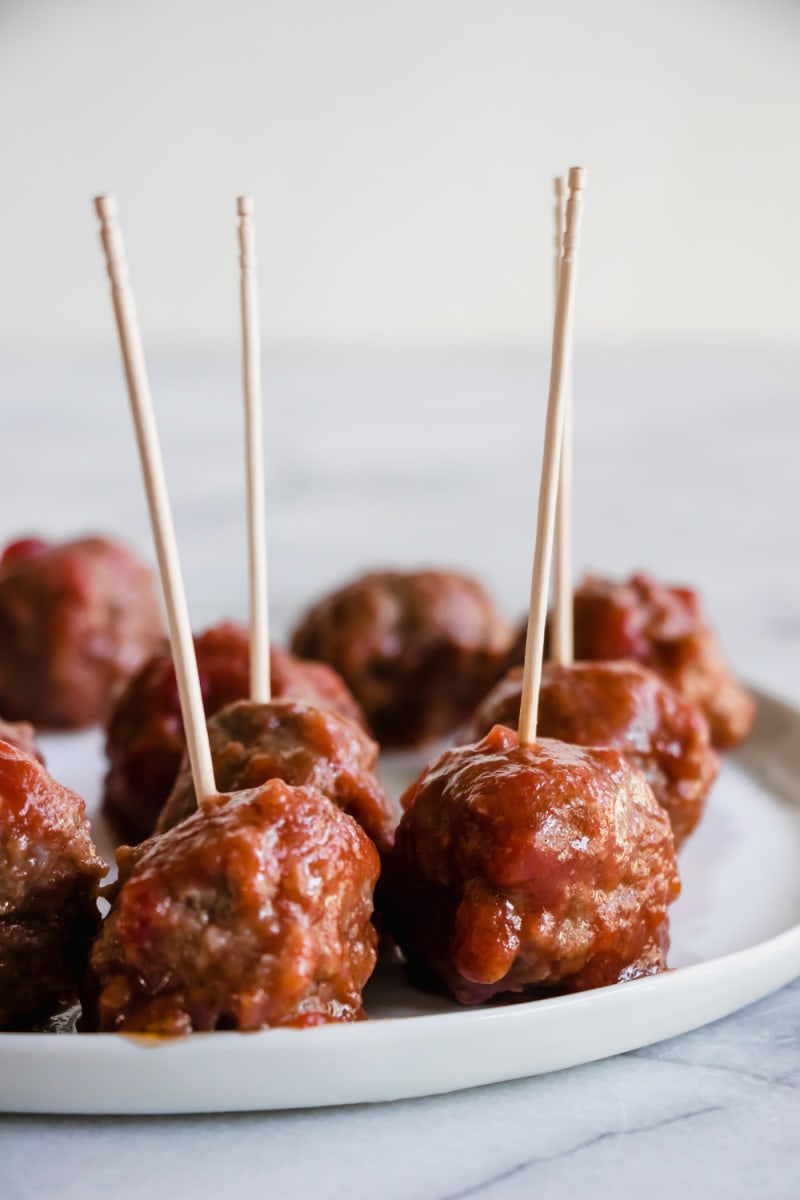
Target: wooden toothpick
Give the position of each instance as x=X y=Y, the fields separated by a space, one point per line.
x=562 y=641
x=562 y=346
x=260 y=684
x=559 y=221
x=180 y=632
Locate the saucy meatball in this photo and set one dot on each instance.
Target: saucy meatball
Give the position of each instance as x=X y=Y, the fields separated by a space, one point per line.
x=49 y=870
x=530 y=869
x=304 y=746
x=418 y=649
x=22 y=735
x=664 y=628
x=252 y=912
x=145 y=740
x=75 y=621
x=628 y=707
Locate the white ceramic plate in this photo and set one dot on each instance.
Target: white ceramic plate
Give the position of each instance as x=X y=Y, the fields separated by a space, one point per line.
x=735 y=935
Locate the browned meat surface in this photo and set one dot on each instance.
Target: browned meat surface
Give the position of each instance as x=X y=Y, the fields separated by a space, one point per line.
x=625 y=706
x=49 y=869
x=76 y=620
x=303 y=746
x=418 y=649
x=252 y=912
x=529 y=870
x=665 y=629
x=23 y=736
x=145 y=740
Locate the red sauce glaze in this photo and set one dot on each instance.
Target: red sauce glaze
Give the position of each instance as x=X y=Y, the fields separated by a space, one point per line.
x=23 y=736
x=49 y=870
x=665 y=629
x=530 y=870
x=625 y=706
x=253 y=912
x=76 y=620
x=418 y=649
x=21 y=549
x=145 y=740
x=306 y=747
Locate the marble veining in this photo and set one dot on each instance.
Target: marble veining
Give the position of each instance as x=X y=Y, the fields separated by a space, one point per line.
x=484 y=1188
x=685 y=462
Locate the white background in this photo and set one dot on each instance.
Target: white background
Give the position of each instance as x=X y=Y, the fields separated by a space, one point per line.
x=402 y=154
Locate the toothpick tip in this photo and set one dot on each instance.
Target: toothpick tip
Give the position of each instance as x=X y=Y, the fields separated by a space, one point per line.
x=105 y=206
x=577 y=178
x=245 y=205
x=558 y=185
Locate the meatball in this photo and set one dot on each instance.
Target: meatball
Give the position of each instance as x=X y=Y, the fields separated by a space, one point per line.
x=145 y=740
x=304 y=746
x=664 y=628
x=418 y=649
x=49 y=870
x=254 y=911
x=627 y=707
x=530 y=869
x=23 y=736
x=75 y=621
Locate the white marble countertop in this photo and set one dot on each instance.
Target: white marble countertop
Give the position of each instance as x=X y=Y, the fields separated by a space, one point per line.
x=686 y=463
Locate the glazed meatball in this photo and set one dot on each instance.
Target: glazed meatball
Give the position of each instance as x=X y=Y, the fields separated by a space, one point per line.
x=75 y=621
x=23 y=736
x=664 y=628
x=530 y=869
x=49 y=870
x=418 y=649
x=627 y=707
x=252 y=912
x=304 y=746
x=145 y=741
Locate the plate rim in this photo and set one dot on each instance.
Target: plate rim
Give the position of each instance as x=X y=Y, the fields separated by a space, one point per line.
x=758 y=970
x=515 y=1010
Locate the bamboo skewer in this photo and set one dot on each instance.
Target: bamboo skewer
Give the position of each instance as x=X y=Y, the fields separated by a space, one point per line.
x=260 y=683
x=559 y=221
x=561 y=352
x=180 y=632
x=562 y=643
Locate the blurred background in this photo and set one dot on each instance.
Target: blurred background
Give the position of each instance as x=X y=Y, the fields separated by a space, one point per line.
x=401 y=152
